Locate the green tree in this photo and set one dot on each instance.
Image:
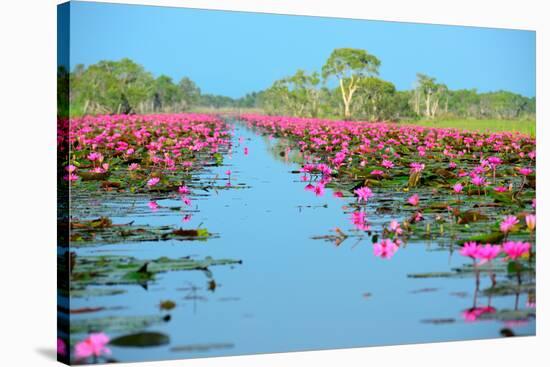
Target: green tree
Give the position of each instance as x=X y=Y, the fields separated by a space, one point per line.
x=166 y=95
x=297 y=95
x=111 y=86
x=432 y=93
x=349 y=66
x=190 y=93
x=375 y=96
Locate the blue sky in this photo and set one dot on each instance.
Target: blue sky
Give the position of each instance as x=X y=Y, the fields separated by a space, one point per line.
x=233 y=53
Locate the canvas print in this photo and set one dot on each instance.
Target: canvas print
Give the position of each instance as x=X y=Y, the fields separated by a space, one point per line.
x=235 y=183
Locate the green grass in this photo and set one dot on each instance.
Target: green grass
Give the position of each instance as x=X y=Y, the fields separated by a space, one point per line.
x=523 y=126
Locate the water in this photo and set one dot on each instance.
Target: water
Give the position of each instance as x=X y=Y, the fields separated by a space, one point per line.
x=291 y=292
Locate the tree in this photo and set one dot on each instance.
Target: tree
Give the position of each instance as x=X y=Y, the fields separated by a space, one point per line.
x=111 y=86
x=349 y=66
x=432 y=92
x=166 y=95
x=297 y=95
x=375 y=95
x=190 y=93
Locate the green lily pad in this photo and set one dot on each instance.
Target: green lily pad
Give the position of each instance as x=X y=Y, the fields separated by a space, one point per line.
x=114 y=324
x=141 y=340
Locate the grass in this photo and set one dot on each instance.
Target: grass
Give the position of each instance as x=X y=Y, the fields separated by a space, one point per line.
x=523 y=126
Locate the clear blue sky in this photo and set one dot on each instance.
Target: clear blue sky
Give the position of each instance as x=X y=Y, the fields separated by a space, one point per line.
x=233 y=53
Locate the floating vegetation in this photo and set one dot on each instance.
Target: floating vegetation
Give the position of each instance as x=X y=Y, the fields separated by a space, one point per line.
x=201 y=348
x=140 y=180
x=102 y=231
x=114 y=324
x=117 y=270
x=141 y=340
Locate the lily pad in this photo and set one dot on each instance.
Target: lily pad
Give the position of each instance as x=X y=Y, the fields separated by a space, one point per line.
x=141 y=340
x=111 y=270
x=114 y=324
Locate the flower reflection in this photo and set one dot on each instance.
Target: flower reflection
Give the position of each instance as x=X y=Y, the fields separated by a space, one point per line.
x=359 y=220
x=473 y=314
x=385 y=248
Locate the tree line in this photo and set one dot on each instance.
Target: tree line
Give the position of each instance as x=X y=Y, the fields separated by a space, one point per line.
x=357 y=92
x=348 y=86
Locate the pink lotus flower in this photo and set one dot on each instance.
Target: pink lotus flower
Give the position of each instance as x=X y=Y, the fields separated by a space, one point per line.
x=359 y=220
x=500 y=189
x=153 y=181
x=228 y=172
x=508 y=223
x=385 y=249
x=417 y=167
x=457 y=188
x=71 y=177
x=478 y=180
x=515 y=250
x=184 y=190
x=93 y=346
x=338 y=194
x=452 y=165
x=387 y=164
x=186 y=218
x=414 y=200
x=61 y=347
x=70 y=168
x=377 y=172
x=245 y=151
x=417 y=217
x=363 y=194
x=470 y=249
x=324 y=169
x=531 y=221
x=525 y=171
x=494 y=161
x=95 y=156
x=534 y=203
x=153 y=205
x=395 y=227
x=319 y=190
x=487 y=253
x=133 y=167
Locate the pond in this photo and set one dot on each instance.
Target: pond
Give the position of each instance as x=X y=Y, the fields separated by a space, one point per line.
x=294 y=273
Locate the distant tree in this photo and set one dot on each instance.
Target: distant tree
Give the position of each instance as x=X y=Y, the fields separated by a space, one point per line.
x=375 y=95
x=400 y=108
x=463 y=103
x=249 y=100
x=63 y=92
x=112 y=86
x=165 y=94
x=216 y=101
x=190 y=93
x=349 y=66
x=431 y=91
x=297 y=95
